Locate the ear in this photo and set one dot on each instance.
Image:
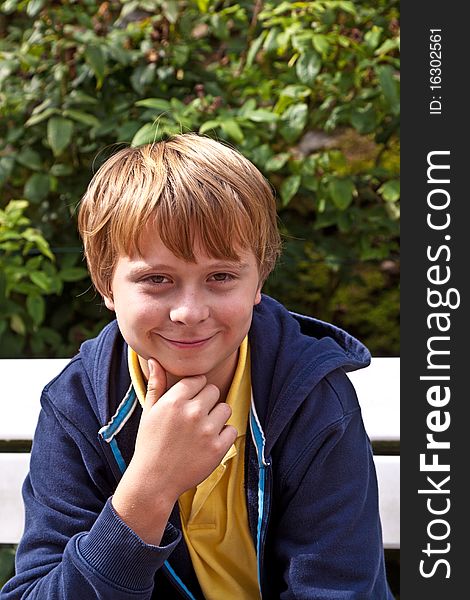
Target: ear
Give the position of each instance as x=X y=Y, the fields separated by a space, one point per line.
x=257 y=296
x=109 y=302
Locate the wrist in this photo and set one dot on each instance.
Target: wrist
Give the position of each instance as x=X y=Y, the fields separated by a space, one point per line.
x=146 y=512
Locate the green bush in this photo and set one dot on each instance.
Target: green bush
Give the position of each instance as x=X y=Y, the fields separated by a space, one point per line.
x=309 y=91
x=7 y=563
x=28 y=274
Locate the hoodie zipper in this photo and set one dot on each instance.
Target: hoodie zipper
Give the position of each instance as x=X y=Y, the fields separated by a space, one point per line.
x=264 y=490
x=176 y=581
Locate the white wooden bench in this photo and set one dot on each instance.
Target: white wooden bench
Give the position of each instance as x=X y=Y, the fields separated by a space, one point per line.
x=23 y=379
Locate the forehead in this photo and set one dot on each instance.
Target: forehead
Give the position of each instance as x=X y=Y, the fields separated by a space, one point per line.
x=153 y=252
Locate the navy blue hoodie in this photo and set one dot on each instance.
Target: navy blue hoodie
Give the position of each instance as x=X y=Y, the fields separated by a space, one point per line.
x=311 y=486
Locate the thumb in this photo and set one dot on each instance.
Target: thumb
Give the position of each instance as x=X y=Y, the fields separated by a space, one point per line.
x=156 y=385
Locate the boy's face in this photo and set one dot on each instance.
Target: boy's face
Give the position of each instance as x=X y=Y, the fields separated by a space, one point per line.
x=191 y=317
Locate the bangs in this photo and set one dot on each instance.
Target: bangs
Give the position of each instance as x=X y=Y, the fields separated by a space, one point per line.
x=188 y=206
x=191 y=191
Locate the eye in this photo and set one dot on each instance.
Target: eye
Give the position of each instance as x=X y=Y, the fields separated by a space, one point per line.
x=222 y=277
x=157 y=279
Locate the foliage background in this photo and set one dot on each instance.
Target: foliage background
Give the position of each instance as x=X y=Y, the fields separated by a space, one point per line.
x=309 y=91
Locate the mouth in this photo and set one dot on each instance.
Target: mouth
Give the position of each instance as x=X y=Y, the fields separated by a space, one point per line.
x=187 y=343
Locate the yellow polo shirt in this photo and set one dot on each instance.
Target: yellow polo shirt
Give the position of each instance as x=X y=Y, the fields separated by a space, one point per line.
x=214 y=516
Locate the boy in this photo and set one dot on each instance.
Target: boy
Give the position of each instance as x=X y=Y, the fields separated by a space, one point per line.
x=208 y=443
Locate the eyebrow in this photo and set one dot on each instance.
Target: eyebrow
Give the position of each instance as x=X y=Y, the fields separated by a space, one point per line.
x=229 y=264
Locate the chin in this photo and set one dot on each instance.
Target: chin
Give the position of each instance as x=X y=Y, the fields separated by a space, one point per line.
x=185 y=371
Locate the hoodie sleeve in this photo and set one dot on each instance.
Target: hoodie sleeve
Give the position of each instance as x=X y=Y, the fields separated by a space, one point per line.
x=327 y=543
x=74 y=545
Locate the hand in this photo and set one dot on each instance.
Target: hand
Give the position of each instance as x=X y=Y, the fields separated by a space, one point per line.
x=182 y=437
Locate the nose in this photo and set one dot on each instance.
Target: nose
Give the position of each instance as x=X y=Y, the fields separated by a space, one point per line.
x=189 y=309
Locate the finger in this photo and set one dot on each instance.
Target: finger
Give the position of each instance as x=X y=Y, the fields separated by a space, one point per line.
x=208 y=398
x=220 y=414
x=156 y=385
x=228 y=435
x=186 y=389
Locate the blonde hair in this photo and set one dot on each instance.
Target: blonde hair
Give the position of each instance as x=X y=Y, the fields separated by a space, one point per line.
x=188 y=187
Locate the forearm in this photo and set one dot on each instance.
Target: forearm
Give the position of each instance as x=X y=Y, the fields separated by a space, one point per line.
x=143 y=509
x=110 y=562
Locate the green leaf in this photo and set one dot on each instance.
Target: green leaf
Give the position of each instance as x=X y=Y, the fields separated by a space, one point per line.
x=293 y=121
x=302 y=41
x=7 y=67
x=34 y=6
x=261 y=115
x=390 y=190
x=364 y=118
x=180 y=55
x=170 y=10
x=95 y=59
x=82 y=117
x=232 y=129
x=310 y=182
x=143 y=76
x=387 y=46
x=277 y=161
x=59 y=170
x=255 y=48
x=146 y=135
x=289 y=188
x=59 y=134
x=42 y=116
x=307 y=67
x=15 y=208
x=372 y=37
x=9 y=6
x=42 y=280
x=37 y=187
x=17 y=324
x=3 y=286
x=30 y=158
x=341 y=191
x=6 y=167
x=389 y=87
x=159 y=104
x=73 y=274
x=34 y=263
x=36 y=307
x=321 y=43
x=208 y=125
x=270 y=43
x=79 y=97
x=35 y=237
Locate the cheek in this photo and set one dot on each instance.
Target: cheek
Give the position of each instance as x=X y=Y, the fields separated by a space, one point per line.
x=138 y=310
x=237 y=313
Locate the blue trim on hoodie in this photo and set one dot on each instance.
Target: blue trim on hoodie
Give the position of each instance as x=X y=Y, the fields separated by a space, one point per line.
x=259 y=441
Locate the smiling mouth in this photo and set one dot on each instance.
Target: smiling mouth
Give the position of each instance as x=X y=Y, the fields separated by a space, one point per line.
x=196 y=343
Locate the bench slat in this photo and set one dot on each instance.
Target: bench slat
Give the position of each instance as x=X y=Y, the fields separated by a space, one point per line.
x=14 y=467
x=378 y=391
x=22 y=382
x=388 y=476
x=377 y=387
x=13 y=470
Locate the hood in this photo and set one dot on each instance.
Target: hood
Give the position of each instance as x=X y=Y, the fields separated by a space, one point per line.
x=290 y=355
x=104 y=360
